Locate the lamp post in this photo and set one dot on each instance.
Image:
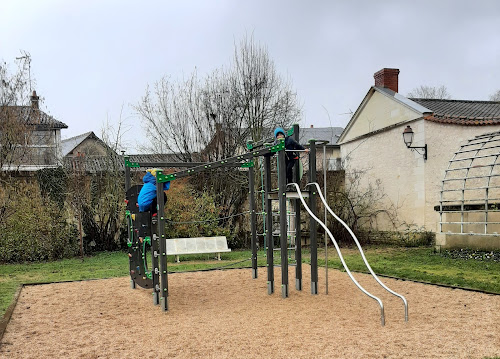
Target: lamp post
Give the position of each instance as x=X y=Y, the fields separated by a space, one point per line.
x=408 y=139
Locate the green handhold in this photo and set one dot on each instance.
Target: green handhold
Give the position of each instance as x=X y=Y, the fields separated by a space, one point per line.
x=131 y=164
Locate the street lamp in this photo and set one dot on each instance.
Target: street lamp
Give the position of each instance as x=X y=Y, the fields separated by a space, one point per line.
x=408 y=139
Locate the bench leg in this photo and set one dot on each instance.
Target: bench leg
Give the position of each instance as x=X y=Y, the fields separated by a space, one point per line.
x=218 y=256
x=177 y=259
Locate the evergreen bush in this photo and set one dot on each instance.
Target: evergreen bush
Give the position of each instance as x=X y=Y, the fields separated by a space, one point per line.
x=36 y=229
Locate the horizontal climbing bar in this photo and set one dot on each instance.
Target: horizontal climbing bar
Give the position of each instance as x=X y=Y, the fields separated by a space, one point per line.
x=240 y=160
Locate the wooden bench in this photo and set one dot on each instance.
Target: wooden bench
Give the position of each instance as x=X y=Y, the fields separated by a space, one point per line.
x=197 y=245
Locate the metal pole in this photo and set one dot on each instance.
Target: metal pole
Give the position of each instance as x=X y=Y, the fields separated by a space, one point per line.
x=163 y=243
x=263 y=198
x=296 y=208
x=269 y=225
x=313 y=224
x=127 y=174
x=155 y=249
x=283 y=222
x=127 y=186
x=253 y=220
x=326 y=239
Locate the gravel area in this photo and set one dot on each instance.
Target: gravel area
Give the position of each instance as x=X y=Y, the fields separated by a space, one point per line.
x=226 y=314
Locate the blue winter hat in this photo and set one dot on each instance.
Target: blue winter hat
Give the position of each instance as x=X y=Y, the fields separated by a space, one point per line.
x=278 y=130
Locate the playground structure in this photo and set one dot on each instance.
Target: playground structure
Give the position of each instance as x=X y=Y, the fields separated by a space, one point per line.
x=145 y=230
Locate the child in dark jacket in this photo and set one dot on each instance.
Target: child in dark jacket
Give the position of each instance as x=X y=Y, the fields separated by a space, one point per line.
x=291 y=157
x=147 y=199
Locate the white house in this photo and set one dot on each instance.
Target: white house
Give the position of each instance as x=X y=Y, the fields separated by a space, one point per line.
x=416 y=186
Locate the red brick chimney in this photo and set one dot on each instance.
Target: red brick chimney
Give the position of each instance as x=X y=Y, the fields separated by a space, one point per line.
x=387 y=78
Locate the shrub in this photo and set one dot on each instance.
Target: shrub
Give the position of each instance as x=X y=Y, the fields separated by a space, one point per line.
x=191 y=214
x=53 y=183
x=36 y=230
x=414 y=236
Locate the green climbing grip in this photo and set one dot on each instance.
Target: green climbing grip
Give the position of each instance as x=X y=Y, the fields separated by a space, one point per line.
x=161 y=178
x=247 y=164
x=131 y=164
x=278 y=147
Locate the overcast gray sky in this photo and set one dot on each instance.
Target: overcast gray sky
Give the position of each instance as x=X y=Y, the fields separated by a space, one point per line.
x=91 y=58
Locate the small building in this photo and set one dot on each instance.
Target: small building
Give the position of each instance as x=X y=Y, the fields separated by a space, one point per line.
x=332 y=148
x=413 y=176
x=87 y=144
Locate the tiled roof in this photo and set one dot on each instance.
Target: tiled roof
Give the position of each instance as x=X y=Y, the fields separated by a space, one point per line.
x=38 y=118
x=94 y=164
x=330 y=134
x=460 y=112
x=166 y=157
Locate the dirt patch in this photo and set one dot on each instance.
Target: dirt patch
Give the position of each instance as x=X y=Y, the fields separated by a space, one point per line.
x=226 y=314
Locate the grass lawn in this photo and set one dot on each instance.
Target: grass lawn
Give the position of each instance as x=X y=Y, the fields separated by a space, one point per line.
x=420 y=264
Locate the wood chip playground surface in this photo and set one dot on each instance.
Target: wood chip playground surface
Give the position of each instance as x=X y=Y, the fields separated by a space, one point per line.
x=226 y=314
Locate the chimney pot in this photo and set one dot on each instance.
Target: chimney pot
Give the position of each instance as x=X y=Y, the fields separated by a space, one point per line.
x=387 y=78
x=34 y=100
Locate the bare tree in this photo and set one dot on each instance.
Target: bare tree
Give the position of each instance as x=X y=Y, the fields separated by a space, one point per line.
x=361 y=204
x=186 y=117
x=210 y=119
x=95 y=189
x=15 y=132
x=430 y=92
x=176 y=118
x=264 y=98
x=495 y=96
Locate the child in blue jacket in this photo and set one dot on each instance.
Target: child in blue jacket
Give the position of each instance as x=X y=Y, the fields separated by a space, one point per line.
x=147 y=199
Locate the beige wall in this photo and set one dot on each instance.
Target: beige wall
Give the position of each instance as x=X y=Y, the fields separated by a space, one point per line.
x=412 y=185
x=90 y=147
x=379 y=111
x=385 y=158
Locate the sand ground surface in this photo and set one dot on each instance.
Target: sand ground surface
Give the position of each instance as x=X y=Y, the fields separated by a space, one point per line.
x=226 y=314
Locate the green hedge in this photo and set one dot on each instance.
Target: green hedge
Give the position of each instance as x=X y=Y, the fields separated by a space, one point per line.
x=35 y=228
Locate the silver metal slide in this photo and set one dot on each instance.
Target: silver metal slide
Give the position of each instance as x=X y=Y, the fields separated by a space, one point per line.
x=382 y=316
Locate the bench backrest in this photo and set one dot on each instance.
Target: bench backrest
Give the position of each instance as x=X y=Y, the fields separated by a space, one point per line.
x=177 y=246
